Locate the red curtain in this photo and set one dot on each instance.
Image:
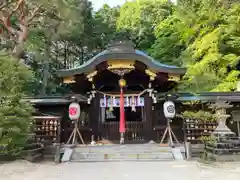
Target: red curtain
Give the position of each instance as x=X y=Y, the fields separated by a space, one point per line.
x=122 y=128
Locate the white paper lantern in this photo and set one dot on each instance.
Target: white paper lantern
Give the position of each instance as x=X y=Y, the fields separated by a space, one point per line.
x=169 y=109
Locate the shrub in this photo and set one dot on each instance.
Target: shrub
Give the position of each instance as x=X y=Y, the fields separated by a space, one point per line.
x=15 y=115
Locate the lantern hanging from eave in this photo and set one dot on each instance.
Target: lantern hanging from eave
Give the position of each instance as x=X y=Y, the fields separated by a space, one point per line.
x=122 y=83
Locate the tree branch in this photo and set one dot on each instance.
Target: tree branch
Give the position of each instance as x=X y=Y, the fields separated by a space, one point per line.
x=5 y=20
x=3 y=4
x=33 y=15
x=19 y=5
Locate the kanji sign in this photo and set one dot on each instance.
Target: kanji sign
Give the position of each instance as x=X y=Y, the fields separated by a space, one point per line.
x=74 y=111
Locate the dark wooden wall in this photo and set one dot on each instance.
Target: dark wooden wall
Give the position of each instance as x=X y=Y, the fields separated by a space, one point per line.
x=148 y=129
x=94 y=117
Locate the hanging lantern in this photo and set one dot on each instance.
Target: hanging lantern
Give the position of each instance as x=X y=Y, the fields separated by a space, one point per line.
x=122 y=83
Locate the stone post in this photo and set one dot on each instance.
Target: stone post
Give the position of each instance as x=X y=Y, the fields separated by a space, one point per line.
x=236 y=118
x=238 y=86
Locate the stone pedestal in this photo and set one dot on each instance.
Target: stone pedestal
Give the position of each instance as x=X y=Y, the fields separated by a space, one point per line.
x=227 y=145
x=220 y=113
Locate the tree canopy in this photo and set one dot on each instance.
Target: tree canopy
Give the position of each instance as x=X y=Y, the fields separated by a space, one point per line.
x=202 y=35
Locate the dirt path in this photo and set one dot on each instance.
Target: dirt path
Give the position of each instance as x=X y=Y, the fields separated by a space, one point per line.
x=22 y=170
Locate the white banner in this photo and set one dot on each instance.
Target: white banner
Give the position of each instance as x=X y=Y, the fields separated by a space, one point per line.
x=128 y=102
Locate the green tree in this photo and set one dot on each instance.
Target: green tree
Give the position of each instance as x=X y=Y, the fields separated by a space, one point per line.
x=105 y=20
x=61 y=39
x=169 y=44
x=211 y=46
x=141 y=17
x=15 y=19
x=204 y=37
x=15 y=115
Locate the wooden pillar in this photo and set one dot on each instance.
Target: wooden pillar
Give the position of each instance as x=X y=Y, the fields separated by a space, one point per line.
x=148 y=129
x=188 y=148
x=94 y=116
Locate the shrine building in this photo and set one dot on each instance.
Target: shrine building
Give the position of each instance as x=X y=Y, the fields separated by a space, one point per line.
x=122 y=93
x=118 y=72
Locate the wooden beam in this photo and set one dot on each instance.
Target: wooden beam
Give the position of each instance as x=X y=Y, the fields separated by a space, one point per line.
x=69 y=80
x=91 y=75
x=173 y=78
x=151 y=74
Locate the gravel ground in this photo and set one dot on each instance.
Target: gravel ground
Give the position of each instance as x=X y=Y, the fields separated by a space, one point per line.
x=174 y=170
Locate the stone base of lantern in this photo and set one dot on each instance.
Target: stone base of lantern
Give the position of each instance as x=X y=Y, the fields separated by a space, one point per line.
x=225 y=147
x=223 y=132
x=223 y=158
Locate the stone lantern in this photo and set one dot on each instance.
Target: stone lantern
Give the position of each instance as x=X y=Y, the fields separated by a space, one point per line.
x=236 y=118
x=220 y=108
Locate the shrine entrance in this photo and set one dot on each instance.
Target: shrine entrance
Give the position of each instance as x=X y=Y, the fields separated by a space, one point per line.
x=130 y=116
x=134 y=119
x=134 y=125
x=121 y=86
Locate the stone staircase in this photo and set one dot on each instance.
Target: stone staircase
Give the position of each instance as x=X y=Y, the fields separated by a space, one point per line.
x=141 y=152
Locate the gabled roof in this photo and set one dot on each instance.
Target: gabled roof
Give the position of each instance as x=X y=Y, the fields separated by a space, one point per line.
x=203 y=97
x=52 y=100
x=122 y=51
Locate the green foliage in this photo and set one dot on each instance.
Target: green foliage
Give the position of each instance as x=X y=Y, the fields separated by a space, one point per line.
x=15 y=115
x=62 y=38
x=208 y=139
x=168 y=45
x=140 y=19
x=213 y=49
x=199 y=115
x=202 y=35
x=105 y=20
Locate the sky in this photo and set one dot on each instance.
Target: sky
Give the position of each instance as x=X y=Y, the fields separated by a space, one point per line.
x=98 y=3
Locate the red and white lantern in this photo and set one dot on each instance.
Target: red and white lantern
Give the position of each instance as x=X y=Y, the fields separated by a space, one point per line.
x=74 y=111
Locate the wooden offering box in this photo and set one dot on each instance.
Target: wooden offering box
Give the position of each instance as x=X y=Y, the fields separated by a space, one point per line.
x=195 y=129
x=47 y=129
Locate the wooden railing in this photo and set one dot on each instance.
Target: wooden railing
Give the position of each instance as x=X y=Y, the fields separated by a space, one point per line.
x=134 y=131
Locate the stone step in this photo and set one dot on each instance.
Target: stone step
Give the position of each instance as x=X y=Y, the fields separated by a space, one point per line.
x=95 y=157
x=122 y=153
x=103 y=149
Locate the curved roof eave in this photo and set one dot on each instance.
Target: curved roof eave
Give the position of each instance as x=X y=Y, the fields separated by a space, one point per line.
x=90 y=65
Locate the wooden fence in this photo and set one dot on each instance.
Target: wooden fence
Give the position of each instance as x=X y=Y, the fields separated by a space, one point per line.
x=134 y=131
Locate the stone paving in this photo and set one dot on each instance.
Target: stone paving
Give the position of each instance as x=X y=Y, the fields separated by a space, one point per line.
x=174 y=170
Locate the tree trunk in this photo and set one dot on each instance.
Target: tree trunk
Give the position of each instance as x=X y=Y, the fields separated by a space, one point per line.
x=46 y=69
